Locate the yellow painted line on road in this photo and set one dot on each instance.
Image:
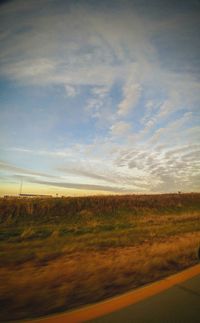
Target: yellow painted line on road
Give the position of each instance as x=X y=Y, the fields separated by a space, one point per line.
x=116 y=303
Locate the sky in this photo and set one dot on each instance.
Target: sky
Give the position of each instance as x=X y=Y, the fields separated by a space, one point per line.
x=99 y=97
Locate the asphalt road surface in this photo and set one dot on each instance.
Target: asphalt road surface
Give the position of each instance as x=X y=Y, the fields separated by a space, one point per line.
x=180 y=304
x=175 y=299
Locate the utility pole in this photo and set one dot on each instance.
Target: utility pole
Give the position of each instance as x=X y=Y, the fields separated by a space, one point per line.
x=21 y=184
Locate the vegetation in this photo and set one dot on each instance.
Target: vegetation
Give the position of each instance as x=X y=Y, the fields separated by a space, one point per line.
x=60 y=253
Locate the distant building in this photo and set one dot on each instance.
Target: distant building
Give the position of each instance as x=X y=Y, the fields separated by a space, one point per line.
x=35 y=195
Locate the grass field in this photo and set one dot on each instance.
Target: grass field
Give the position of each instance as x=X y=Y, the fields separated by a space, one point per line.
x=60 y=253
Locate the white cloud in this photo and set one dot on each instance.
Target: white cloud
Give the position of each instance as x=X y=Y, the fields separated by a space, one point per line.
x=131 y=92
x=32 y=69
x=101 y=91
x=97 y=102
x=10 y=168
x=168 y=106
x=49 y=153
x=120 y=128
x=71 y=90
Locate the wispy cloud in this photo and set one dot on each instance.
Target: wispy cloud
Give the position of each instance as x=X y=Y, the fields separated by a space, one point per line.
x=78 y=186
x=70 y=90
x=120 y=128
x=6 y=167
x=131 y=92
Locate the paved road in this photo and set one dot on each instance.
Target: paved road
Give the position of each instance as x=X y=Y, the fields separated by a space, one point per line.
x=175 y=299
x=179 y=304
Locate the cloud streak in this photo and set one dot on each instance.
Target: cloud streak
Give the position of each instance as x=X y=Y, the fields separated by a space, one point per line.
x=82 y=186
x=11 y=168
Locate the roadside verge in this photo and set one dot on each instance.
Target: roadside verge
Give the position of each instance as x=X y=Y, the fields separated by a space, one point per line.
x=118 y=302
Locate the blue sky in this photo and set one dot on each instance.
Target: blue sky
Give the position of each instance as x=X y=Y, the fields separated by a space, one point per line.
x=99 y=96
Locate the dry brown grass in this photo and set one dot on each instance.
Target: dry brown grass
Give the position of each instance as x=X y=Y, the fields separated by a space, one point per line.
x=71 y=280
x=76 y=209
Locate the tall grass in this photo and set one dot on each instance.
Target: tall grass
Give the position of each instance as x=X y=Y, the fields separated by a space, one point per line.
x=76 y=209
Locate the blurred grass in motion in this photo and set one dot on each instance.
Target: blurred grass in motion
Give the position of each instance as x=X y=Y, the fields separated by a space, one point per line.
x=57 y=254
